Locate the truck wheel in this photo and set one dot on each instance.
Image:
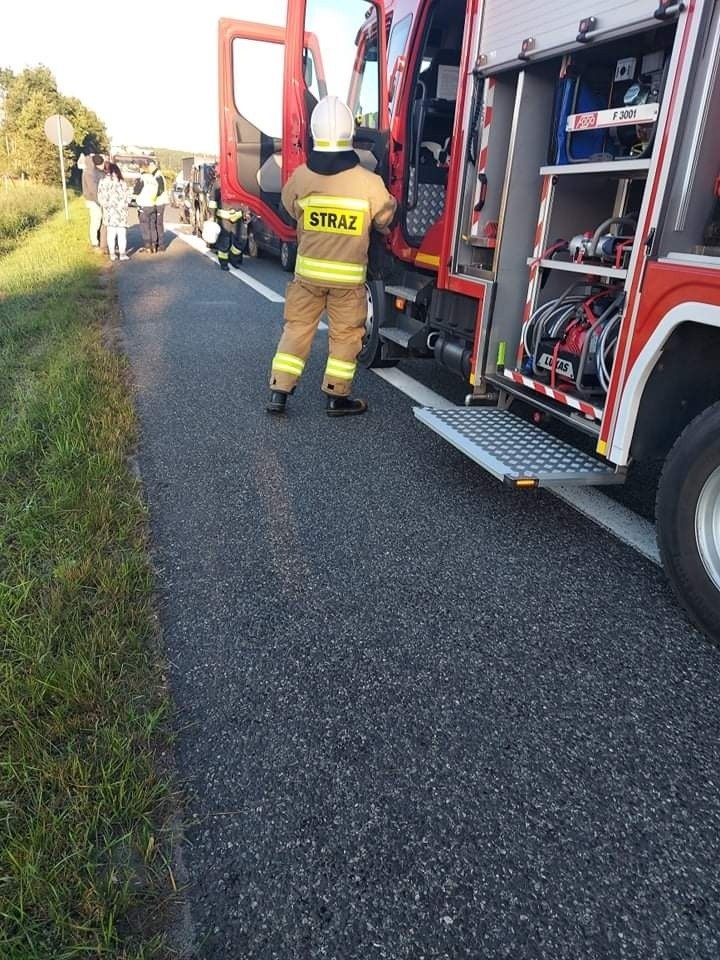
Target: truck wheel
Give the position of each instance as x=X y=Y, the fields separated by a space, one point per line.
x=374 y=352
x=252 y=246
x=688 y=520
x=287 y=256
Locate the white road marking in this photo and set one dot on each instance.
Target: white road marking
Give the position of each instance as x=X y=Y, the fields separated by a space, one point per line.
x=421 y=394
x=627 y=526
x=199 y=244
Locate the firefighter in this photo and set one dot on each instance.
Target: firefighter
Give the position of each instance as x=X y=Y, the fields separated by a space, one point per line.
x=229 y=244
x=336 y=203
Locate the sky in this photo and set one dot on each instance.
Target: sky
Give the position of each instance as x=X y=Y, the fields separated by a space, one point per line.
x=162 y=94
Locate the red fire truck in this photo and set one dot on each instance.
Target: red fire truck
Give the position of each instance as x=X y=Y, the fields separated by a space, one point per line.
x=558 y=236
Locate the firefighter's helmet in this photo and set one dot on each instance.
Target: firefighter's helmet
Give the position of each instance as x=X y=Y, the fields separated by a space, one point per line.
x=332 y=126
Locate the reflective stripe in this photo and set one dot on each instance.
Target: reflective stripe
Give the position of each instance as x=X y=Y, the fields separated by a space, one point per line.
x=333 y=271
x=232 y=215
x=212 y=204
x=333 y=143
x=340 y=369
x=222 y=255
x=347 y=203
x=288 y=363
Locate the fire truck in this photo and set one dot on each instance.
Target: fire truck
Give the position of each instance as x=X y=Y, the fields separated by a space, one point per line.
x=557 y=242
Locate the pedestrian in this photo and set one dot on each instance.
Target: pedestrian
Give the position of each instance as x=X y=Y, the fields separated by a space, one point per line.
x=161 y=202
x=91 y=177
x=231 y=240
x=152 y=197
x=114 y=197
x=336 y=203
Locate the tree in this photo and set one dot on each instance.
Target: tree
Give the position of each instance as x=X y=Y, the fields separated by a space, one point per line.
x=29 y=98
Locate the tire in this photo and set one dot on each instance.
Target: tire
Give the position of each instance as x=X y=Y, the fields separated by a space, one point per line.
x=252 y=246
x=374 y=352
x=687 y=513
x=287 y=256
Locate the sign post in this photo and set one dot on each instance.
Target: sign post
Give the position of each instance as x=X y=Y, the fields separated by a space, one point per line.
x=59 y=131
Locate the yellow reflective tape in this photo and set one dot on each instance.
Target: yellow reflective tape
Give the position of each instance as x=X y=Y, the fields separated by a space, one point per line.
x=288 y=363
x=601 y=447
x=428 y=258
x=330 y=269
x=338 y=372
x=329 y=219
x=340 y=366
x=330 y=278
x=332 y=266
x=347 y=203
x=281 y=368
x=333 y=143
x=342 y=363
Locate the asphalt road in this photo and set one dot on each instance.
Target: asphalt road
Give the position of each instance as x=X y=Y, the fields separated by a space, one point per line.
x=419 y=715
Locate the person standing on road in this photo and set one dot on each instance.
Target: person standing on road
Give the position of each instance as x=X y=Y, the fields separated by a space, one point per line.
x=114 y=197
x=151 y=198
x=229 y=245
x=161 y=202
x=336 y=204
x=91 y=177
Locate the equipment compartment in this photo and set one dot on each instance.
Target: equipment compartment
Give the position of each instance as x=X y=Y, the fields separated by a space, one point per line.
x=554 y=332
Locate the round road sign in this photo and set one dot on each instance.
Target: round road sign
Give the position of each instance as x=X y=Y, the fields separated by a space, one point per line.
x=59 y=130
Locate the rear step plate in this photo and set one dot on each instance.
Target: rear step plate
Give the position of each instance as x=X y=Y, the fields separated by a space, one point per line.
x=514 y=450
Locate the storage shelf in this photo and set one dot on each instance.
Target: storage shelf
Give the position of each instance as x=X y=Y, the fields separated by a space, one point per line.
x=604 y=166
x=585 y=269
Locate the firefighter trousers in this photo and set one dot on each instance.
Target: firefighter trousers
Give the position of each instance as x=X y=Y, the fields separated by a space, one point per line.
x=229 y=245
x=305 y=303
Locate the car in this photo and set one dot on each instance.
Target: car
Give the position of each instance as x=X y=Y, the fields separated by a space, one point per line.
x=262 y=239
x=177 y=195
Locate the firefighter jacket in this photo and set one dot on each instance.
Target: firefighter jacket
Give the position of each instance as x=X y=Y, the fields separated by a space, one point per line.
x=220 y=211
x=335 y=213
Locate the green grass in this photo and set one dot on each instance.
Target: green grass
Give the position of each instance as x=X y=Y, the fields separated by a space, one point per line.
x=82 y=868
x=24 y=205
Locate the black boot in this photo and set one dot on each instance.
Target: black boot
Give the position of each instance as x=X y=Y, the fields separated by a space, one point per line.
x=277 y=402
x=345 y=406
x=224 y=265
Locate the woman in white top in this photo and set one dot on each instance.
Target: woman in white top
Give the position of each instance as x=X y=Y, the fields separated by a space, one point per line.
x=113 y=196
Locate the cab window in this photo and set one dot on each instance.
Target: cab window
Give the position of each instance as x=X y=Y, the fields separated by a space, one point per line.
x=347 y=47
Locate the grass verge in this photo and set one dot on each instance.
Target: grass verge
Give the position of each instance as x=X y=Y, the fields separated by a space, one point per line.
x=24 y=205
x=82 y=872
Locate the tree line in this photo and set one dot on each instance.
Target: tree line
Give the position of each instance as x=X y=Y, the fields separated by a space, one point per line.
x=27 y=99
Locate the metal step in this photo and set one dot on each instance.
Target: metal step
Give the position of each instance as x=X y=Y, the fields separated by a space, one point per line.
x=515 y=451
x=405 y=293
x=396 y=334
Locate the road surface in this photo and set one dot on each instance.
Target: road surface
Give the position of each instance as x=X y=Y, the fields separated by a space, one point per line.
x=419 y=715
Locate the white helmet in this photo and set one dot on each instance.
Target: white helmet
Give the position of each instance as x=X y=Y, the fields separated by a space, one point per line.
x=332 y=126
x=210 y=232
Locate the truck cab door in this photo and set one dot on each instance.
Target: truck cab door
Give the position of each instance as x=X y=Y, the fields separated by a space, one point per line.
x=263 y=138
x=350 y=39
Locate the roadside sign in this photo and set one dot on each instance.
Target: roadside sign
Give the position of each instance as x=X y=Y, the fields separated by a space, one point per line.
x=60 y=131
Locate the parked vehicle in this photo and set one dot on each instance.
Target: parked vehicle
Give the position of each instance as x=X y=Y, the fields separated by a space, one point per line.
x=261 y=238
x=177 y=194
x=194 y=204
x=557 y=240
